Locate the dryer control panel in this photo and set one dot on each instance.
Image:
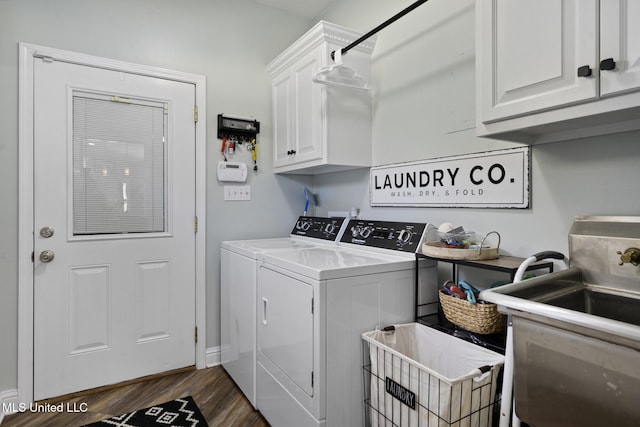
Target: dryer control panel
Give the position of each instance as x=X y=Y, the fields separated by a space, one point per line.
x=398 y=236
x=319 y=227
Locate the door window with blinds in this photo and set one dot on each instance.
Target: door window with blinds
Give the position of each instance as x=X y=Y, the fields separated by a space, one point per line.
x=119 y=165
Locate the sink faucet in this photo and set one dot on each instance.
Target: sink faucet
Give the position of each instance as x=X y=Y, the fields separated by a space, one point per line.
x=630 y=255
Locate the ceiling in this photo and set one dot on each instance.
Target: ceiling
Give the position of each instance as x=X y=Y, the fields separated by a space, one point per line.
x=305 y=8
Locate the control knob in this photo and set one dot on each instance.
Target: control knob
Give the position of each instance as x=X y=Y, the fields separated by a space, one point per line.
x=404 y=237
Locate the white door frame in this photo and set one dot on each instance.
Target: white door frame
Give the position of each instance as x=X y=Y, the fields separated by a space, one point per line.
x=25 y=192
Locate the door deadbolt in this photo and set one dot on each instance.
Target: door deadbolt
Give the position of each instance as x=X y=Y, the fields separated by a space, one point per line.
x=46 y=232
x=47 y=256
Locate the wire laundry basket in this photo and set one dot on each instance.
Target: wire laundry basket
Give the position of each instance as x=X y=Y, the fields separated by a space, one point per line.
x=402 y=391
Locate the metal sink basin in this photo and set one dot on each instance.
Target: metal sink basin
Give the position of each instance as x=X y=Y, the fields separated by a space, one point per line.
x=568 y=291
x=600 y=303
x=564 y=297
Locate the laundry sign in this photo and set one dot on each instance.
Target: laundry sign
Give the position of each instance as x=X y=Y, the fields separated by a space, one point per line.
x=492 y=179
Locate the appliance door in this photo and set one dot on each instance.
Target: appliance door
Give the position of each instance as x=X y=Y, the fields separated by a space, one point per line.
x=285 y=326
x=238 y=320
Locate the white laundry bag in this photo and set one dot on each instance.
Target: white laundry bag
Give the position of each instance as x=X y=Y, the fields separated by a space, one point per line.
x=421 y=377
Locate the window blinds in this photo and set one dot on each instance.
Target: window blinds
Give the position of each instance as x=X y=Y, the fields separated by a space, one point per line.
x=119 y=166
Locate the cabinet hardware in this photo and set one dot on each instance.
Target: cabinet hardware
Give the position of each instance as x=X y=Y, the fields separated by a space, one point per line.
x=291 y=152
x=584 y=71
x=607 y=64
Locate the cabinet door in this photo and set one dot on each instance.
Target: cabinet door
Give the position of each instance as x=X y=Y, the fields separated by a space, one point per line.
x=620 y=41
x=529 y=53
x=307 y=109
x=282 y=118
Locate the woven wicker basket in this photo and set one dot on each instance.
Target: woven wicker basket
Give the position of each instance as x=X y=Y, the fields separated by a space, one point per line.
x=479 y=318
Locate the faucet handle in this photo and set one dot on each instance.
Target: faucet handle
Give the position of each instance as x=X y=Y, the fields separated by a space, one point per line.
x=630 y=255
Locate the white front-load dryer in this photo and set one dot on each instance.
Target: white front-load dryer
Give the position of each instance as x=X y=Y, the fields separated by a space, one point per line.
x=238 y=275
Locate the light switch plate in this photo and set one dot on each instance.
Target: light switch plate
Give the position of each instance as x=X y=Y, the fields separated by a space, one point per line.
x=237 y=192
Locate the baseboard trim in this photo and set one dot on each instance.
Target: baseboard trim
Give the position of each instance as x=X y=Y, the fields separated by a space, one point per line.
x=212 y=356
x=9 y=402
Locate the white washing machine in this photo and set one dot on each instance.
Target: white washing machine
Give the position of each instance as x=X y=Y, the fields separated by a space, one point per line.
x=313 y=306
x=238 y=273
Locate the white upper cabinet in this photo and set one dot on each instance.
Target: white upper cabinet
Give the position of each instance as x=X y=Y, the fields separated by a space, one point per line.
x=551 y=70
x=319 y=128
x=537 y=47
x=619 y=46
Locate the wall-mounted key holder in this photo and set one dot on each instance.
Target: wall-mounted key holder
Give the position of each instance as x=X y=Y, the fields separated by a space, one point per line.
x=240 y=129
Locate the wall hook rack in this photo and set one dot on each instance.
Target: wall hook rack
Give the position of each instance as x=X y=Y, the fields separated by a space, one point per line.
x=237 y=128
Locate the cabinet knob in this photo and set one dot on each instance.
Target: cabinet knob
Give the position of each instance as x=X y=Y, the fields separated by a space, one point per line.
x=584 y=71
x=291 y=152
x=608 y=64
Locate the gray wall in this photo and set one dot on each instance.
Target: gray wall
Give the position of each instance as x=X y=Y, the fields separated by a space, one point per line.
x=424 y=100
x=229 y=42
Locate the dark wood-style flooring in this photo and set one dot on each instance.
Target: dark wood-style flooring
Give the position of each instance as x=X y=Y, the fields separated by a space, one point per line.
x=219 y=400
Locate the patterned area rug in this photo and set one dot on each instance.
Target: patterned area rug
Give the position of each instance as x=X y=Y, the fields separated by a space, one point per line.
x=178 y=413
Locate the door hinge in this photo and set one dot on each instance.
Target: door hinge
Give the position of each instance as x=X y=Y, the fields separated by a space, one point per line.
x=195 y=224
x=312 y=305
x=195 y=114
x=311 y=379
x=196 y=335
x=33 y=257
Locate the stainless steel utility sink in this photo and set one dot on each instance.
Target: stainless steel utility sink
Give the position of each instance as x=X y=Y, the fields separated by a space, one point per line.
x=576 y=332
x=567 y=290
x=564 y=297
x=598 y=302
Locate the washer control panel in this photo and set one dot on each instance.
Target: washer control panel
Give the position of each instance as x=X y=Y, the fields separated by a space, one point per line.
x=318 y=227
x=398 y=236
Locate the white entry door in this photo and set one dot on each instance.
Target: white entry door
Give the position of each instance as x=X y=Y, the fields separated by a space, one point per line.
x=114 y=238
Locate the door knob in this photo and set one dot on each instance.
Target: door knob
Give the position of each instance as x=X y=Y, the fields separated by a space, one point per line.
x=47 y=256
x=46 y=232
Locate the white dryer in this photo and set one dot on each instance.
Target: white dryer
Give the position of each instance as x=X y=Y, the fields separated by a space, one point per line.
x=313 y=306
x=238 y=272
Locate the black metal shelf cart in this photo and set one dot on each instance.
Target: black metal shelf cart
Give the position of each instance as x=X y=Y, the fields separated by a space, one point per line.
x=503 y=264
